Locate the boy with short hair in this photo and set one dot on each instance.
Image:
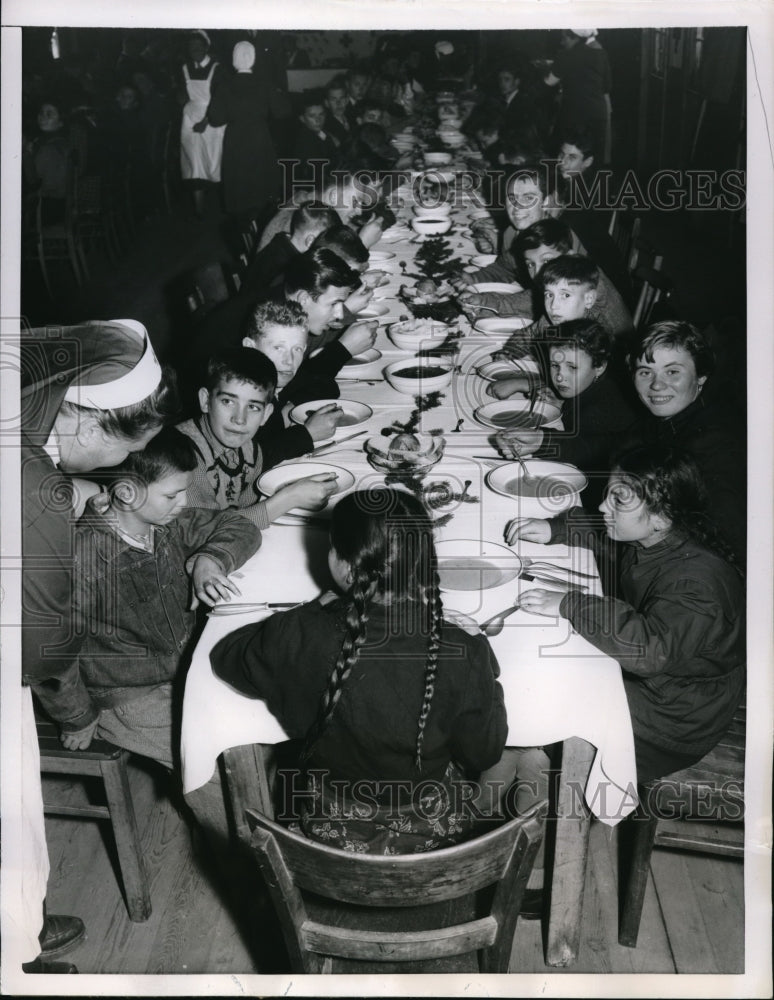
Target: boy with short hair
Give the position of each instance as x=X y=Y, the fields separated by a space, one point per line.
x=279 y=330
x=143 y=563
x=267 y=267
x=569 y=285
x=235 y=403
x=312 y=142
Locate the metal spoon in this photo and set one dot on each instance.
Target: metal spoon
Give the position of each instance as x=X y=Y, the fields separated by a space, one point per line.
x=526 y=476
x=496 y=624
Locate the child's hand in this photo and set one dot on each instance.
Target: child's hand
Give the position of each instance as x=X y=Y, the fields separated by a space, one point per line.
x=323 y=423
x=81 y=739
x=470 y=303
x=542 y=602
x=310 y=493
x=518 y=444
x=462 y=280
x=530 y=529
x=359 y=300
x=360 y=336
x=504 y=388
x=210 y=583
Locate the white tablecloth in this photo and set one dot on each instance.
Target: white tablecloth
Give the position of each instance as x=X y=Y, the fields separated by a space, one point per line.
x=556 y=684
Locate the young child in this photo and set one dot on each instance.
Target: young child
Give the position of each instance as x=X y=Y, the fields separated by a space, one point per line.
x=596 y=415
x=268 y=265
x=569 y=285
x=279 y=330
x=312 y=142
x=678 y=631
x=376 y=684
x=532 y=248
x=235 y=403
x=144 y=562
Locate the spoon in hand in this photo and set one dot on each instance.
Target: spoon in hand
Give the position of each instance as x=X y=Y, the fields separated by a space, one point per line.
x=495 y=625
x=527 y=477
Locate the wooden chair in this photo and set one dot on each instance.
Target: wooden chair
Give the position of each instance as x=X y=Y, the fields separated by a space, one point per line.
x=205 y=287
x=107 y=762
x=655 y=288
x=624 y=230
x=700 y=808
x=336 y=907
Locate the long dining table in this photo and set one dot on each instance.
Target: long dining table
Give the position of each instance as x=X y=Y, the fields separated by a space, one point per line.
x=558 y=688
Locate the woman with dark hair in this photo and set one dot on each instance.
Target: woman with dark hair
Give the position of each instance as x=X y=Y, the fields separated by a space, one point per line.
x=678 y=629
x=378 y=687
x=670 y=364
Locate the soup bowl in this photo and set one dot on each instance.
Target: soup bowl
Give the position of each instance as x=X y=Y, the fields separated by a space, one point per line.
x=419 y=376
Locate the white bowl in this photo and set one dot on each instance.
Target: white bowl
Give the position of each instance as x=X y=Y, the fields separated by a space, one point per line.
x=283 y=475
x=415 y=334
x=434 y=212
x=428 y=375
x=451 y=138
x=493 y=371
x=501 y=324
x=380 y=256
x=432 y=225
x=507 y=414
x=354 y=412
x=412 y=463
x=448 y=121
x=556 y=487
x=437 y=159
x=483 y=259
x=473 y=565
x=481 y=213
x=373 y=310
x=500 y=287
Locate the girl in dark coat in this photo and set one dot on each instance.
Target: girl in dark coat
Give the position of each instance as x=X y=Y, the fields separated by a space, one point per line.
x=381 y=690
x=678 y=631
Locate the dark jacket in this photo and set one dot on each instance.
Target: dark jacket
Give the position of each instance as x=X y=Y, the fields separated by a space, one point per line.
x=679 y=635
x=132 y=606
x=710 y=432
x=286 y=660
x=595 y=424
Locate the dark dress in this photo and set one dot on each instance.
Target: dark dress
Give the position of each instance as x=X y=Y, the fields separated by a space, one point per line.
x=286 y=660
x=250 y=172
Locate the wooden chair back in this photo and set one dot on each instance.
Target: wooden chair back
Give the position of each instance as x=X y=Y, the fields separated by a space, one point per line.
x=369 y=887
x=248 y=784
x=655 y=289
x=624 y=230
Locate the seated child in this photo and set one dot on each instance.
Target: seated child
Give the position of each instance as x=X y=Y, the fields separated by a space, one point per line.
x=280 y=331
x=268 y=265
x=311 y=141
x=144 y=561
x=678 y=631
x=569 y=285
x=376 y=684
x=235 y=402
x=596 y=415
x=531 y=249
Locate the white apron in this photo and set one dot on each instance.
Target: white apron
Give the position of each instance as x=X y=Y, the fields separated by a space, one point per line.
x=200 y=152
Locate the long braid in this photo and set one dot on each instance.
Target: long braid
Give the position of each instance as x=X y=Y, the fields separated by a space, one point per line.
x=357 y=620
x=435 y=621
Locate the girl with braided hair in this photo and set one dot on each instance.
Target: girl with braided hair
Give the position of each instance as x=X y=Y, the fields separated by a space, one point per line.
x=678 y=630
x=395 y=706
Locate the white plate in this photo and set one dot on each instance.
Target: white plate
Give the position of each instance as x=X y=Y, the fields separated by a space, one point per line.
x=468 y=564
x=483 y=259
x=501 y=324
x=557 y=486
x=496 y=286
x=377 y=256
x=373 y=310
x=359 y=361
x=506 y=414
x=282 y=475
x=354 y=412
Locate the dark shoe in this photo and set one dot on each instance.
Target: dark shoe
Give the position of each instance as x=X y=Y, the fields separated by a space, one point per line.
x=532 y=904
x=43 y=967
x=60 y=934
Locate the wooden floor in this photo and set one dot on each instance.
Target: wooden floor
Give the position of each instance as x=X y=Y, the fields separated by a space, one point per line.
x=693 y=920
